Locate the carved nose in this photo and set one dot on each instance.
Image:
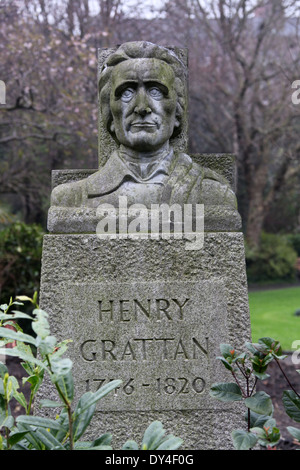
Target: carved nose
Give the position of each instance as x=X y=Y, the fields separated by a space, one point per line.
x=142 y=110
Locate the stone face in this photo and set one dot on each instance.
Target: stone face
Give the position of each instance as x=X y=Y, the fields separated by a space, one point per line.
x=107 y=145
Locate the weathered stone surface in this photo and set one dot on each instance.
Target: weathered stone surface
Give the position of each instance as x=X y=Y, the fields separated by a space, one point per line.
x=164 y=353
x=150 y=311
x=224 y=164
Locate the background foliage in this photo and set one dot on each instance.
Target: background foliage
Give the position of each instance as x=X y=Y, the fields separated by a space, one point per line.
x=20 y=259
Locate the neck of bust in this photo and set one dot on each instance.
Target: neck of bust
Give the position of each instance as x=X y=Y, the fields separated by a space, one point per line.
x=144 y=157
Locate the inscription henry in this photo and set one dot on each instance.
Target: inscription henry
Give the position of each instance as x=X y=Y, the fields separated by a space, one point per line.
x=126 y=310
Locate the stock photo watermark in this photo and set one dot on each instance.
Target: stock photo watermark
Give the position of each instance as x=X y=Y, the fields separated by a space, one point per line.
x=137 y=222
x=296 y=354
x=2 y=92
x=296 y=93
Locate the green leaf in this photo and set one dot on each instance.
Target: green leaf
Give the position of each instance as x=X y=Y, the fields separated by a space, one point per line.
x=19 y=396
x=104 y=439
x=41 y=326
x=271 y=346
x=3 y=370
x=226 y=363
x=24 y=298
x=226 y=392
x=62 y=377
x=102 y=447
x=260 y=375
x=260 y=403
x=171 y=443
x=291 y=404
x=35 y=382
x=17 y=315
x=40 y=422
x=295 y=432
x=7 y=422
x=250 y=347
x=45 y=438
x=15 y=352
x=82 y=445
x=14 y=335
x=130 y=445
x=153 y=435
x=60 y=349
x=225 y=350
x=256 y=420
x=26 y=348
x=63 y=420
x=31 y=437
x=88 y=446
x=243 y=440
x=61 y=367
x=269 y=435
x=47 y=345
x=94 y=397
x=83 y=418
x=154 y=438
x=12 y=386
x=16 y=437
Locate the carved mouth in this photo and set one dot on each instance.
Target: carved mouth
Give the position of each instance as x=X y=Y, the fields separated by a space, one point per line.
x=142 y=125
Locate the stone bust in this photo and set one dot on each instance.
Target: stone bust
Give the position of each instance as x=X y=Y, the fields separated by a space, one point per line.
x=142 y=104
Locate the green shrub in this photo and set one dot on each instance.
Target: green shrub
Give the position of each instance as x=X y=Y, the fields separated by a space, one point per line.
x=274 y=260
x=20 y=259
x=247 y=366
x=294 y=240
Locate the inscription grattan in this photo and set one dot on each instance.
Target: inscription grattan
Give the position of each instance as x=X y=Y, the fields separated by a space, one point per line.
x=155 y=337
x=144 y=349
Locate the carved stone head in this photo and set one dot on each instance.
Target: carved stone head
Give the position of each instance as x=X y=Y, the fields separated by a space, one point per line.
x=142 y=95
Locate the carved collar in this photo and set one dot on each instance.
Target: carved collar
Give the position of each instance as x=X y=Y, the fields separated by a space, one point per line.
x=117 y=169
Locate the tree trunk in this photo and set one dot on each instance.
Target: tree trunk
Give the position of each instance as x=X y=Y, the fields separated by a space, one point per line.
x=256 y=208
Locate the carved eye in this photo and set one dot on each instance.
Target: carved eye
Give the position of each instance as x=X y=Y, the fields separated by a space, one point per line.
x=127 y=94
x=155 y=93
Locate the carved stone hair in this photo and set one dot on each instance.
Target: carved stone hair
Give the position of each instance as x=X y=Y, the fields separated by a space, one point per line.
x=141 y=50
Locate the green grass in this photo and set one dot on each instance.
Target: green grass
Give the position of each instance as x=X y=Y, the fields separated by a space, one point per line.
x=272 y=314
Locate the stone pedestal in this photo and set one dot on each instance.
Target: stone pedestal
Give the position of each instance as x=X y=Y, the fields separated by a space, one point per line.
x=153 y=314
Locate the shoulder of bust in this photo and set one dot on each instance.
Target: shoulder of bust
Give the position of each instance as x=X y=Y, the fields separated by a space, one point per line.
x=68 y=194
x=215 y=189
x=207 y=173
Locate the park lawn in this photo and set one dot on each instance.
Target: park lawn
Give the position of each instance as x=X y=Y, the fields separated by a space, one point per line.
x=272 y=314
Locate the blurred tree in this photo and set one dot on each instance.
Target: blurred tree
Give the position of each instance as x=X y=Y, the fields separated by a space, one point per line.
x=49 y=65
x=244 y=56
